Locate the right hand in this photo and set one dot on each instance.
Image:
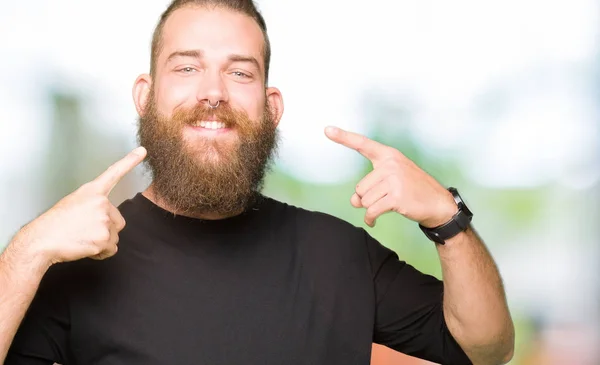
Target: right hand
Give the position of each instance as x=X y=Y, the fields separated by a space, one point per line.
x=82 y=224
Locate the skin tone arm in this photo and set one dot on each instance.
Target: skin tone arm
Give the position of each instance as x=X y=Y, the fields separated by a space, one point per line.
x=83 y=224
x=475 y=307
x=20 y=275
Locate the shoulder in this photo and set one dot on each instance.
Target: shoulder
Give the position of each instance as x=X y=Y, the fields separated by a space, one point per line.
x=328 y=232
x=134 y=206
x=313 y=220
x=321 y=233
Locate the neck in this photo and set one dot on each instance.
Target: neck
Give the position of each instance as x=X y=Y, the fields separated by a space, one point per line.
x=150 y=194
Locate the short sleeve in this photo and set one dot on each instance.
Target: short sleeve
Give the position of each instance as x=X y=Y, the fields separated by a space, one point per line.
x=42 y=337
x=409 y=310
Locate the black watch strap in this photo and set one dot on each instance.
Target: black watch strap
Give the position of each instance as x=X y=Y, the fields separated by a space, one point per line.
x=459 y=222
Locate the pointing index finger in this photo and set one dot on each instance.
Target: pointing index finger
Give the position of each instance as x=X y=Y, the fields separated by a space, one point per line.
x=363 y=145
x=109 y=178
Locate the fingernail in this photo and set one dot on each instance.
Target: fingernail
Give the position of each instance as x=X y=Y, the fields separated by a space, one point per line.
x=332 y=130
x=140 y=151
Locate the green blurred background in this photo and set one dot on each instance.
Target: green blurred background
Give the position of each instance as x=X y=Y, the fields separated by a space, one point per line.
x=498 y=98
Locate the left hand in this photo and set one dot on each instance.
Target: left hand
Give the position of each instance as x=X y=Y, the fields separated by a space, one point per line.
x=395 y=184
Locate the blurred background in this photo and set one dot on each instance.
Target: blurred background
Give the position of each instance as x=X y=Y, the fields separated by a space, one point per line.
x=498 y=98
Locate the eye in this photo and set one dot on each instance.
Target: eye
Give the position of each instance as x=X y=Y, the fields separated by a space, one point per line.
x=186 y=70
x=240 y=74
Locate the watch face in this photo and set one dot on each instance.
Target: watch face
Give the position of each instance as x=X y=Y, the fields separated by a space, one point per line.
x=460 y=202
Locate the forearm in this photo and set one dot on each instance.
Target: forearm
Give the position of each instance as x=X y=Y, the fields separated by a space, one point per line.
x=20 y=276
x=475 y=305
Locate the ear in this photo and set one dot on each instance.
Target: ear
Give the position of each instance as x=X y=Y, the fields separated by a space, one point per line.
x=141 y=92
x=275 y=100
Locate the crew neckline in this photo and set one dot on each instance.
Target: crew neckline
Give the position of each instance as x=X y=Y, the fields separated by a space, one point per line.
x=249 y=219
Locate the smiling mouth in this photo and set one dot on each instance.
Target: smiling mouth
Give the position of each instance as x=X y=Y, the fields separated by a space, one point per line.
x=214 y=125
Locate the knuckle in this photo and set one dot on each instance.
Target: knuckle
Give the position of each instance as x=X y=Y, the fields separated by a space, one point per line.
x=115 y=240
x=99 y=257
x=96 y=250
x=97 y=203
x=359 y=190
x=365 y=202
x=396 y=195
x=103 y=236
x=104 y=219
x=395 y=179
x=392 y=152
x=103 y=202
x=391 y=162
x=109 y=252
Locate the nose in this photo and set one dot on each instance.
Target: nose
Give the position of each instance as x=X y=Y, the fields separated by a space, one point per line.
x=212 y=90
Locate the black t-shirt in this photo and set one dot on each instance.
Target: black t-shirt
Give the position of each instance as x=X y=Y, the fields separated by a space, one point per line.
x=275 y=285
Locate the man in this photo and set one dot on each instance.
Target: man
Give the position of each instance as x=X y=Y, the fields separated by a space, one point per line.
x=210 y=271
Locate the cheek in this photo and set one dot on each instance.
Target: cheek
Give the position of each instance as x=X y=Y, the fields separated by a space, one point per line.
x=249 y=99
x=170 y=95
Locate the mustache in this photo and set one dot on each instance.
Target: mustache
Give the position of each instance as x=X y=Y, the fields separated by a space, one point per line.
x=224 y=113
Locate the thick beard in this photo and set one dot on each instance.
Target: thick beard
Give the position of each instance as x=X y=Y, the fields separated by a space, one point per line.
x=210 y=178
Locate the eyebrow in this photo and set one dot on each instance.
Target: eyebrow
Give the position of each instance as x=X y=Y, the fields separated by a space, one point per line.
x=190 y=53
x=246 y=59
x=198 y=54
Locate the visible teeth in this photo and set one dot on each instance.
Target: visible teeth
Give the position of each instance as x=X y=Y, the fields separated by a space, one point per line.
x=210 y=125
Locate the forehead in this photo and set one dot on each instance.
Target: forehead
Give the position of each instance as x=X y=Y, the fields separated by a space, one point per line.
x=215 y=31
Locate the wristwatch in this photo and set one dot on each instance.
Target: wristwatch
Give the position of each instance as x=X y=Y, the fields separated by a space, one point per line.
x=459 y=222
